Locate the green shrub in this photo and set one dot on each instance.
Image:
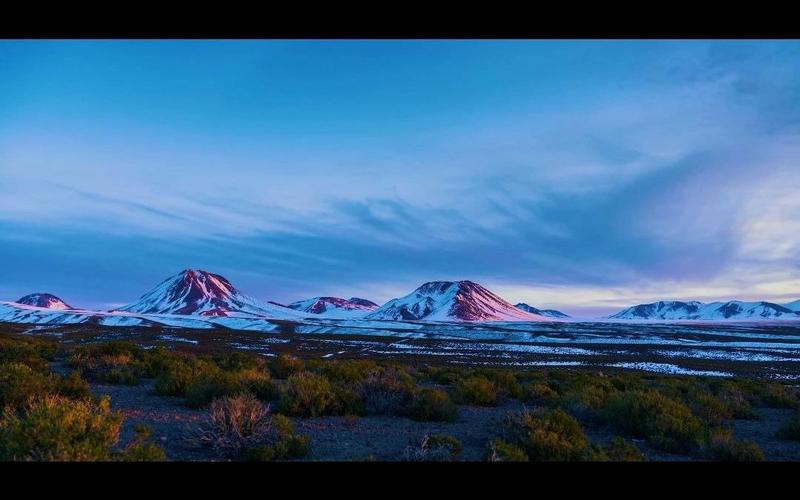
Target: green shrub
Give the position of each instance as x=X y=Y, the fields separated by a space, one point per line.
x=547 y=434
x=349 y=371
x=502 y=451
x=621 y=450
x=238 y=361
x=386 y=391
x=709 y=408
x=790 y=430
x=19 y=382
x=665 y=422
x=73 y=386
x=115 y=362
x=34 y=353
x=285 y=365
x=540 y=393
x=54 y=428
x=308 y=395
x=432 y=405
x=777 y=395
x=179 y=376
x=283 y=445
x=725 y=448
x=217 y=384
x=141 y=449
x=477 y=390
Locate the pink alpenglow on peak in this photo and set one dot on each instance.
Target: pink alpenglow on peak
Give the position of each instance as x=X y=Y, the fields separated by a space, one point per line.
x=335 y=306
x=452 y=301
x=196 y=292
x=45 y=300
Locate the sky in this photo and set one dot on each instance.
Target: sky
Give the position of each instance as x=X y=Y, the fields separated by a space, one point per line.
x=579 y=175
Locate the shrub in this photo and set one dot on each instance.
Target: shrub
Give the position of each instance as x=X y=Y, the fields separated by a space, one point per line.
x=777 y=395
x=666 y=423
x=502 y=451
x=710 y=408
x=349 y=371
x=236 y=423
x=435 y=448
x=242 y=427
x=179 y=376
x=386 y=391
x=790 y=430
x=308 y=395
x=73 y=386
x=217 y=384
x=725 y=448
x=621 y=450
x=284 y=445
x=505 y=382
x=547 y=434
x=237 y=361
x=115 y=362
x=34 y=353
x=477 y=390
x=433 y=405
x=19 y=382
x=540 y=393
x=56 y=428
x=285 y=365
x=141 y=449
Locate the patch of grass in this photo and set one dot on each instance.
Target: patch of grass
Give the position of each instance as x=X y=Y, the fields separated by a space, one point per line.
x=55 y=428
x=547 y=434
x=432 y=405
x=666 y=423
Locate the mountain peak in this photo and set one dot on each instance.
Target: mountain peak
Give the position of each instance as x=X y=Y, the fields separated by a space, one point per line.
x=334 y=306
x=452 y=301
x=46 y=300
x=194 y=291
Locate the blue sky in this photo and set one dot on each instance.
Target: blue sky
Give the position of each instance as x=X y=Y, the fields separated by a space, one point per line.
x=582 y=175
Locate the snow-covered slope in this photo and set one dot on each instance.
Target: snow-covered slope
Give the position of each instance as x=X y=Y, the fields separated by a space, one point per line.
x=335 y=307
x=550 y=313
x=452 y=301
x=45 y=300
x=794 y=306
x=714 y=311
x=196 y=292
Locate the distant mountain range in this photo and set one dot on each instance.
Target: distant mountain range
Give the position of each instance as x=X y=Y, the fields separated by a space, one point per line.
x=199 y=299
x=714 y=311
x=335 y=307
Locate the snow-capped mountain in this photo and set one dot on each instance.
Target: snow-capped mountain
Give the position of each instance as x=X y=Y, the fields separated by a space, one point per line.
x=335 y=307
x=196 y=292
x=693 y=310
x=452 y=301
x=794 y=306
x=550 y=313
x=46 y=300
